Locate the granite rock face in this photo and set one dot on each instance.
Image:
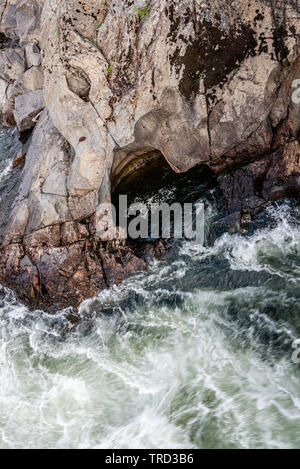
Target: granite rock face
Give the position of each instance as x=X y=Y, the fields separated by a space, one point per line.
x=27 y=108
x=270 y=178
x=200 y=81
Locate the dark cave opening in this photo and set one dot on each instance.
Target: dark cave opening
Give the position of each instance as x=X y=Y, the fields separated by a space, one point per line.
x=149 y=179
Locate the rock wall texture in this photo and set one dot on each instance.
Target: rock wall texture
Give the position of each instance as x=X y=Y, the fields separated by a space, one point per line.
x=94 y=86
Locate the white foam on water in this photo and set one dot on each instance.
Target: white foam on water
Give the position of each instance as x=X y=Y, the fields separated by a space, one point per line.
x=247 y=253
x=153 y=375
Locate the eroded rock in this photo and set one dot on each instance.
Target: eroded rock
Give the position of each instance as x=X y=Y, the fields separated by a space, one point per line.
x=210 y=82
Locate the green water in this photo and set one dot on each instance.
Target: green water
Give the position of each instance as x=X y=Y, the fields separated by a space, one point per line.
x=195 y=354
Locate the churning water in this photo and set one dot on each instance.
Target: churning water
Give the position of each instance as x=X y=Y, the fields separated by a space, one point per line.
x=197 y=353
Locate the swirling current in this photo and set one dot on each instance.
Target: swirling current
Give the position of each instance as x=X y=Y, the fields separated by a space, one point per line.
x=196 y=353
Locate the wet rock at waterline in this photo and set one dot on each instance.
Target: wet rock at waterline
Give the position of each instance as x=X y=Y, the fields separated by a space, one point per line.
x=212 y=84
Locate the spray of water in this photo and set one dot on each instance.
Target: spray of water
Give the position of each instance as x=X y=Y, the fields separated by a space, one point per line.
x=196 y=354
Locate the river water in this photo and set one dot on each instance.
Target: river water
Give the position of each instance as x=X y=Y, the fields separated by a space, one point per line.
x=197 y=353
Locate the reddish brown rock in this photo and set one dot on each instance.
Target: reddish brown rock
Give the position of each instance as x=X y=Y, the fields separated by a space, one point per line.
x=60 y=266
x=19 y=161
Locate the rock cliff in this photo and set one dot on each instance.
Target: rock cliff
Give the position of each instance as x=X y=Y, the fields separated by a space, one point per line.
x=97 y=87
